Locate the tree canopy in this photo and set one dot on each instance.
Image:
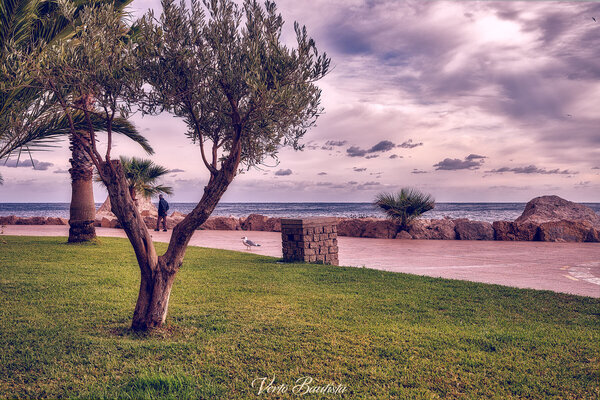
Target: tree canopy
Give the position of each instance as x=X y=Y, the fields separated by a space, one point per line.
x=224 y=69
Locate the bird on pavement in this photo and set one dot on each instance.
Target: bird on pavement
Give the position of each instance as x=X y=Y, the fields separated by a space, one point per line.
x=249 y=243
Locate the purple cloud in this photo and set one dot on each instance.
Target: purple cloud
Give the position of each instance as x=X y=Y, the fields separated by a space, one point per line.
x=355 y=151
x=336 y=143
x=532 y=169
x=471 y=157
x=38 y=165
x=454 y=164
x=410 y=145
x=283 y=172
x=383 y=146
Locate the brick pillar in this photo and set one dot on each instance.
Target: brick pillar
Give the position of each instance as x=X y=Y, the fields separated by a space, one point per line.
x=312 y=240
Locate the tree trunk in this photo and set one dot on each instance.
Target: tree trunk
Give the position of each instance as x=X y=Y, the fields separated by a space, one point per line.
x=153 y=299
x=82 y=210
x=158 y=273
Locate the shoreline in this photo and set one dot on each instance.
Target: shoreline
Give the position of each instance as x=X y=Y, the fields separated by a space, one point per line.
x=421 y=228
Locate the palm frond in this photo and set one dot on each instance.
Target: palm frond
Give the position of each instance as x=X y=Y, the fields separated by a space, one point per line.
x=142 y=175
x=42 y=129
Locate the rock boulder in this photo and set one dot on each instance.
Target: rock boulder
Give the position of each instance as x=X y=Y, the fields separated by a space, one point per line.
x=254 y=222
x=221 y=224
x=380 y=228
x=473 y=230
x=567 y=231
x=403 y=235
x=507 y=230
x=553 y=209
x=353 y=227
x=437 y=229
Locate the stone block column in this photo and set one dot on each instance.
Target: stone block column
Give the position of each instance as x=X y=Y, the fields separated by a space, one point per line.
x=311 y=240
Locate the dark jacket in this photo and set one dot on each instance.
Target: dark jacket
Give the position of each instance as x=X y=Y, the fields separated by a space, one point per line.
x=163 y=207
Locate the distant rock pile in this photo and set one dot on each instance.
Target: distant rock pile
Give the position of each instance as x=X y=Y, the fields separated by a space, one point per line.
x=551 y=219
x=546 y=218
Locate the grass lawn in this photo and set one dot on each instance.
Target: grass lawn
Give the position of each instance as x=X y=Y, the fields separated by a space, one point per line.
x=235 y=317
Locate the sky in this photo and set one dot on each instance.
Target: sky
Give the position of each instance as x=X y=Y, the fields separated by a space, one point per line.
x=470 y=101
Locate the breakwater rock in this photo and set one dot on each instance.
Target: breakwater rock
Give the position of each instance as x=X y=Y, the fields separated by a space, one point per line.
x=546 y=218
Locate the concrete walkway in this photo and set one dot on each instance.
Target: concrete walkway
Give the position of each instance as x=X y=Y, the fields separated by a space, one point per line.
x=561 y=267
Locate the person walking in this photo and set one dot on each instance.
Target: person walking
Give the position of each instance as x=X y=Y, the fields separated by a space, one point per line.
x=163 y=207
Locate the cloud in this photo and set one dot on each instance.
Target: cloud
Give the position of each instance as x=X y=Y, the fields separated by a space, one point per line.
x=322 y=173
x=394 y=156
x=532 y=169
x=368 y=185
x=176 y=170
x=371 y=156
x=583 y=184
x=283 y=172
x=596 y=168
x=355 y=151
x=355 y=169
x=418 y=171
x=383 y=146
x=410 y=145
x=61 y=171
x=471 y=157
x=509 y=187
x=336 y=143
x=38 y=165
x=454 y=164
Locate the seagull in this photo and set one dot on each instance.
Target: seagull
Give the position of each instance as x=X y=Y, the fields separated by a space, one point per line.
x=249 y=243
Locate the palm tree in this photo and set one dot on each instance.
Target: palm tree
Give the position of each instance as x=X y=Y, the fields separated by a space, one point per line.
x=28 y=118
x=404 y=206
x=142 y=175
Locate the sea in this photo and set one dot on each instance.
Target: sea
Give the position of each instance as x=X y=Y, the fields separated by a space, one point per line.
x=475 y=211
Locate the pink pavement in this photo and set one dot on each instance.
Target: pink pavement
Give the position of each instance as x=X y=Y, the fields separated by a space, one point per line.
x=561 y=267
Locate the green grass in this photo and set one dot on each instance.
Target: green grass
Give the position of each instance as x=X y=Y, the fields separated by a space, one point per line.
x=234 y=317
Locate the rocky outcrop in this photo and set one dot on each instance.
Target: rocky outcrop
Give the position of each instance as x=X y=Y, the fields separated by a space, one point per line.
x=273 y=225
x=14 y=220
x=551 y=219
x=507 y=230
x=473 y=230
x=553 y=209
x=567 y=231
x=222 y=224
x=8 y=220
x=254 y=222
x=403 y=235
x=353 y=227
x=546 y=218
x=436 y=229
x=383 y=229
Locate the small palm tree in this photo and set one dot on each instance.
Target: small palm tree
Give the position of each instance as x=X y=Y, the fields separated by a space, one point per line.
x=142 y=176
x=404 y=206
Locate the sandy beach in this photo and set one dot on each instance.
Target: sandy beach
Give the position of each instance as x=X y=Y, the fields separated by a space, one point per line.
x=572 y=268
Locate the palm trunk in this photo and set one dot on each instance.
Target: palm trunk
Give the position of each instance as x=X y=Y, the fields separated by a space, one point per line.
x=82 y=209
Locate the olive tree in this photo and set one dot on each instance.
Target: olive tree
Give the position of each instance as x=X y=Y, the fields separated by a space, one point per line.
x=243 y=95
x=223 y=68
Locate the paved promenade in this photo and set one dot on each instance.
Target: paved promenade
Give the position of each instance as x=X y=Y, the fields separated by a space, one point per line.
x=561 y=267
